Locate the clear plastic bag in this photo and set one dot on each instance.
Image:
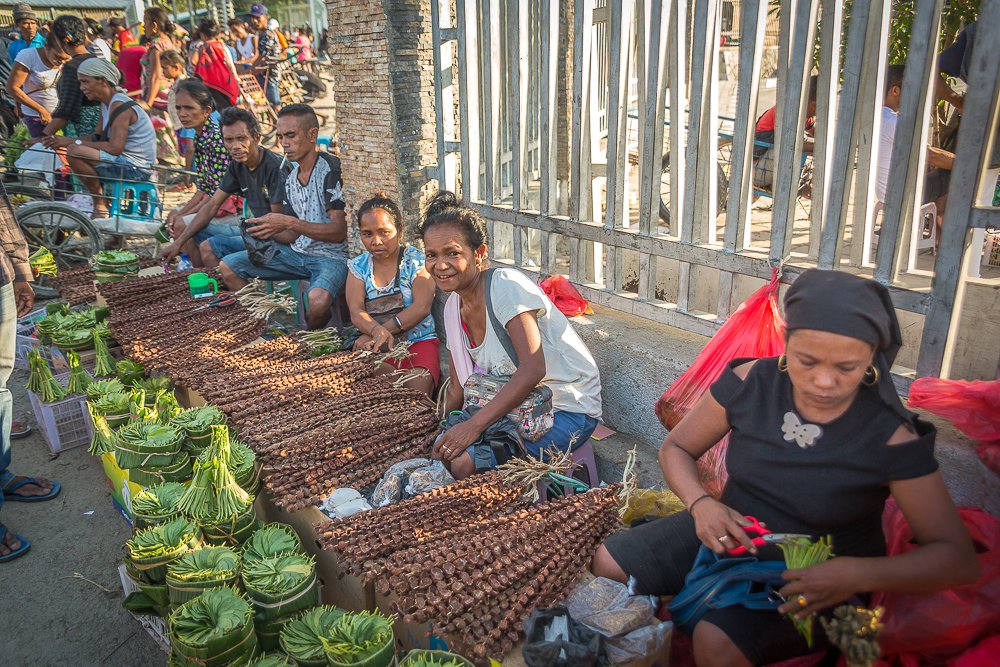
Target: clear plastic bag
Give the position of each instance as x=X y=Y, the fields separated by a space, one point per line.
x=390 y=489
x=428 y=478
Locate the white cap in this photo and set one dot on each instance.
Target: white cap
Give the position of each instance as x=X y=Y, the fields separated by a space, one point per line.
x=272 y=24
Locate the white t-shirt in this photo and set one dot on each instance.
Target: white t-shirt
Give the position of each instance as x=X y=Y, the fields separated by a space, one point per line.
x=570 y=370
x=887 y=135
x=41 y=82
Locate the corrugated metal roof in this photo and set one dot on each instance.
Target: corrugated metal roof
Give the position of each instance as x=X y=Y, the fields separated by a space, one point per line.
x=68 y=4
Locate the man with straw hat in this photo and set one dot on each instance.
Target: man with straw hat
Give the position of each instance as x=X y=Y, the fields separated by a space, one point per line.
x=27 y=26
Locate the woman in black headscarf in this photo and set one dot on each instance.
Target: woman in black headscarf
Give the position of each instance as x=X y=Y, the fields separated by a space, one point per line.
x=818 y=441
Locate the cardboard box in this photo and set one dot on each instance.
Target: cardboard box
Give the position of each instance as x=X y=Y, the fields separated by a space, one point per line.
x=154 y=625
x=122 y=490
x=410 y=635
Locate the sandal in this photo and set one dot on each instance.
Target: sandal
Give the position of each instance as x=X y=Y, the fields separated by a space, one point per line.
x=9 y=495
x=19 y=429
x=15 y=553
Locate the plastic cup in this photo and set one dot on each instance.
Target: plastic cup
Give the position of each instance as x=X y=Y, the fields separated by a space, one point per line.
x=199 y=284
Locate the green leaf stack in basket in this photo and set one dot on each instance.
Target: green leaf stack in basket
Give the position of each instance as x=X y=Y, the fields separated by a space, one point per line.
x=220 y=506
x=110 y=266
x=419 y=658
x=302 y=638
x=40 y=379
x=279 y=587
x=147 y=556
x=213 y=630
x=246 y=470
x=157 y=504
x=273 y=660
x=198 y=571
x=360 y=640
x=197 y=425
x=129 y=371
x=152 y=453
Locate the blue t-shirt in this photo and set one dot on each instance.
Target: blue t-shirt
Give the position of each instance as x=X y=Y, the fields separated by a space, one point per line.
x=18 y=45
x=413 y=261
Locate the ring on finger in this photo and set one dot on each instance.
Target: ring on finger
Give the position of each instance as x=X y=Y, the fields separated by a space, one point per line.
x=802 y=601
x=723 y=538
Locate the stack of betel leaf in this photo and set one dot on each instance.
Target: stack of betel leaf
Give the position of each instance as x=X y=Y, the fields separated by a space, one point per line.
x=151 y=453
x=198 y=571
x=214 y=629
x=419 y=658
x=360 y=640
x=79 y=378
x=220 y=506
x=110 y=266
x=273 y=660
x=302 y=638
x=197 y=425
x=154 y=388
x=147 y=556
x=157 y=504
x=129 y=371
x=69 y=329
x=41 y=382
x=246 y=470
x=279 y=579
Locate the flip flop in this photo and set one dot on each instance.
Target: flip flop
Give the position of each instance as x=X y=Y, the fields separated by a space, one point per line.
x=16 y=553
x=10 y=496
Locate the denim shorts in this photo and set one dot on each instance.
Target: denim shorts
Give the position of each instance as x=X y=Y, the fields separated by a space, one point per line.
x=322 y=272
x=216 y=229
x=271 y=90
x=118 y=168
x=570 y=430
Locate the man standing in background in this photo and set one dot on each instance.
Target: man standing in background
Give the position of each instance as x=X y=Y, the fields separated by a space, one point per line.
x=27 y=26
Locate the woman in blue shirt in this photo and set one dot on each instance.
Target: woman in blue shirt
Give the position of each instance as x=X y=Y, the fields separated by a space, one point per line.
x=390 y=293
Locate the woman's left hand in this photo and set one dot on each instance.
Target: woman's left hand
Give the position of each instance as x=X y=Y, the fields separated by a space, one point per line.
x=819 y=587
x=456 y=440
x=56 y=141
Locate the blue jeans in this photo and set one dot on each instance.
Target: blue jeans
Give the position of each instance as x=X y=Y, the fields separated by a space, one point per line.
x=270 y=86
x=570 y=430
x=118 y=168
x=8 y=341
x=218 y=229
x=322 y=272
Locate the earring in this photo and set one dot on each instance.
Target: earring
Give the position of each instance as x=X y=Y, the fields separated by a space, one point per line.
x=783 y=364
x=871 y=376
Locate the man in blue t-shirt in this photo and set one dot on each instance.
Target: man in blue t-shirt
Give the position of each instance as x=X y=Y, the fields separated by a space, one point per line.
x=27 y=26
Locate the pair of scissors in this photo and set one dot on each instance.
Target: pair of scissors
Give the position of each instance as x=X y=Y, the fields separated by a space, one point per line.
x=221 y=300
x=761 y=536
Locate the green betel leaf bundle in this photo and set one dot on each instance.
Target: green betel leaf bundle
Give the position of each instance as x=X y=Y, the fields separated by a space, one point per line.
x=274 y=539
x=149 y=551
x=104 y=363
x=279 y=587
x=213 y=629
x=43 y=262
x=105 y=440
x=273 y=660
x=197 y=424
x=197 y=571
x=801 y=553
x=114 y=407
x=178 y=469
x=99 y=388
x=157 y=504
x=73 y=339
x=363 y=639
x=143 y=444
x=278 y=574
x=129 y=371
x=40 y=379
x=418 y=658
x=79 y=378
x=108 y=258
x=246 y=472
x=301 y=638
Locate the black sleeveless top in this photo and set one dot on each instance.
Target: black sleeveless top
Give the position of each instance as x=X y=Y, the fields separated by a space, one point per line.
x=835 y=486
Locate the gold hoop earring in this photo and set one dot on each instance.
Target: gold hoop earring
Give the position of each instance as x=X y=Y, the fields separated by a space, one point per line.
x=873 y=372
x=783 y=364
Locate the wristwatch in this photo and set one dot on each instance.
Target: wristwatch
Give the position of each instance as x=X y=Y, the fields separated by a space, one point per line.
x=78 y=142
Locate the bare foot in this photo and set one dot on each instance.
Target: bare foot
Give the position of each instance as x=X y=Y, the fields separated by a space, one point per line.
x=10 y=543
x=43 y=487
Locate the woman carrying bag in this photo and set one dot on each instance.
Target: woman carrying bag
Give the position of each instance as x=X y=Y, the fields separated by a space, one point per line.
x=514 y=356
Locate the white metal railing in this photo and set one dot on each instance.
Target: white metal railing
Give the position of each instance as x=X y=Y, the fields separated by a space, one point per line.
x=602 y=226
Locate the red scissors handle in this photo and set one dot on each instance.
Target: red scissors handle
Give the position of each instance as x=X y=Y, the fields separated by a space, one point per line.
x=755 y=528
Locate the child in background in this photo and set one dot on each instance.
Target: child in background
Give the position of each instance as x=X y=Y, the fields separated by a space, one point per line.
x=175 y=71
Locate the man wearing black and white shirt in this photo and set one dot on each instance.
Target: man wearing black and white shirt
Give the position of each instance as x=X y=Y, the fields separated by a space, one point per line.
x=311 y=233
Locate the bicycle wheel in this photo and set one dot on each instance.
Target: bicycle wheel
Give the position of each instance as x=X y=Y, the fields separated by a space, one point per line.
x=721 y=176
x=66 y=232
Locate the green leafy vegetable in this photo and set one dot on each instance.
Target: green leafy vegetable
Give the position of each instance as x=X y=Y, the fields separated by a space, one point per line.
x=173 y=538
x=40 y=378
x=105 y=440
x=274 y=539
x=801 y=553
x=219 y=616
x=115 y=257
x=100 y=388
x=104 y=363
x=79 y=378
x=301 y=637
x=158 y=501
x=43 y=262
x=278 y=574
x=354 y=637
x=205 y=563
x=129 y=371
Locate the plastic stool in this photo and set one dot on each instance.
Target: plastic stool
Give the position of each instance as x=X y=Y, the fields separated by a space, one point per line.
x=323 y=141
x=584 y=469
x=134 y=200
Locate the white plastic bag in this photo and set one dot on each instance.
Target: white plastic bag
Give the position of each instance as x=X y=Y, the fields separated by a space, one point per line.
x=40 y=159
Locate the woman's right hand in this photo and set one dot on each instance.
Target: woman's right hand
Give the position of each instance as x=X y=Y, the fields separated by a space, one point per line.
x=720 y=527
x=44 y=116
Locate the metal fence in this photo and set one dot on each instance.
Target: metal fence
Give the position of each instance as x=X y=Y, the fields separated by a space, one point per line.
x=627 y=153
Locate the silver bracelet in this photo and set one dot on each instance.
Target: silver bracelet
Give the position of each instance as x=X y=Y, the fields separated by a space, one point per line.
x=398 y=323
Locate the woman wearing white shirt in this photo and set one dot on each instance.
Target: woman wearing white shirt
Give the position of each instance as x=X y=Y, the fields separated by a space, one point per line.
x=32 y=83
x=532 y=344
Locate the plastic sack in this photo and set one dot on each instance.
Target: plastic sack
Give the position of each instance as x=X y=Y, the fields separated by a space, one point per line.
x=40 y=159
x=755 y=330
x=973 y=407
x=427 y=478
x=261 y=252
x=983 y=654
x=343 y=503
x=650 y=502
x=390 y=488
x=937 y=626
x=553 y=639
x=565 y=297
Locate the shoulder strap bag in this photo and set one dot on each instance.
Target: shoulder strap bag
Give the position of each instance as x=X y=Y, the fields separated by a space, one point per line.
x=384 y=308
x=105 y=134
x=534 y=416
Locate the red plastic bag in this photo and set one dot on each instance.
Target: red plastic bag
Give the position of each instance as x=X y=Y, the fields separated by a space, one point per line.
x=564 y=296
x=755 y=330
x=984 y=654
x=931 y=628
x=973 y=407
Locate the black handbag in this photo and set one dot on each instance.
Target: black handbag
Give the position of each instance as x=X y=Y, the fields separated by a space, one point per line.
x=384 y=308
x=260 y=251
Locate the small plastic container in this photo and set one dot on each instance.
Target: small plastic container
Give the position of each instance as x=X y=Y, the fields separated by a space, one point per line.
x=64 y=424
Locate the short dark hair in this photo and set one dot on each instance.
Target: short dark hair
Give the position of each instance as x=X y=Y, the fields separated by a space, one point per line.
x=67 y=30
x=305 y=113
x=234 y=115
x=160 y=17
x=198 y=91
x=446 y=208
x=208 y=28
x=237 y=23
x=172 y=57
x=94 y=27
x=381 y=200
x=894 y=76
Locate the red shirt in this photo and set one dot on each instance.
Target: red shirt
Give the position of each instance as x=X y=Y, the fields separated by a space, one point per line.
x=766 y=123
x=131 y=69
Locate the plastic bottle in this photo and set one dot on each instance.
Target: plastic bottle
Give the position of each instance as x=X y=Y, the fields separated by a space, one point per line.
x=184 y=263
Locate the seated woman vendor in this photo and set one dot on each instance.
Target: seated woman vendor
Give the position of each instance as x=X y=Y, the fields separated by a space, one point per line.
x=500 y=323
x=401 y=307
x=818 y=441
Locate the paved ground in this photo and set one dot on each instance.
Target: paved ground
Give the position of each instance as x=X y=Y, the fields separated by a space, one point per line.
x=47 y=616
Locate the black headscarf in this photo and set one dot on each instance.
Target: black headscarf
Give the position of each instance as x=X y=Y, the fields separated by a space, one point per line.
x=849 y=305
